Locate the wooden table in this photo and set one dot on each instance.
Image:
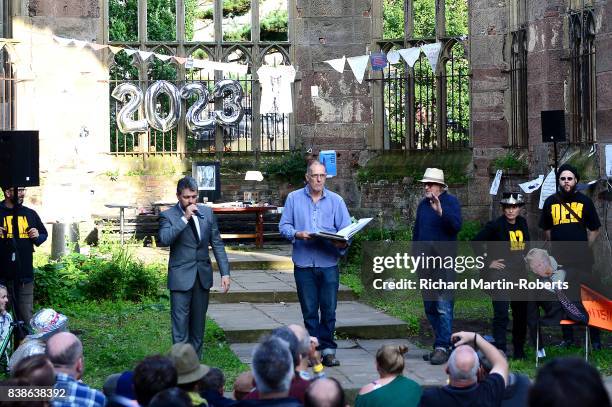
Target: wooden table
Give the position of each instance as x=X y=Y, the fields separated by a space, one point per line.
x=259 y=220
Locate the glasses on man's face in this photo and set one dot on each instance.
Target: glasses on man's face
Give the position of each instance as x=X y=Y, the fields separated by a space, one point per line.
x=430 y=184
x=318 y=176
x=566 y=178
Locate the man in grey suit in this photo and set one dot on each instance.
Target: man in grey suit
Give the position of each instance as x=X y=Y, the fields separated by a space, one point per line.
x=188 y=229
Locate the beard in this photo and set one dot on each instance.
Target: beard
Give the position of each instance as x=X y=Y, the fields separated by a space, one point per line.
x=567 y=194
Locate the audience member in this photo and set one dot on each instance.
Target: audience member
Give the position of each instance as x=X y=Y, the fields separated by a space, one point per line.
x=172 y=397
x=310 y=356
x=65 y=351
x=15 y=382
x=5 y=317
x=109 y=388
x=392 y=389
x=189 y=371
x=325 y=392
x=568 y=382
x=517 y=386
x=152 y=375
x=44 y=323
x=463 y=388
x=298 y=384
x=213 y=388
x=36 y=369
x=243 y=385
x=272 y=367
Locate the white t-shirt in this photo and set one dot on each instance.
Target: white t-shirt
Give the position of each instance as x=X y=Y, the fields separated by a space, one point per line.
x=276 y=88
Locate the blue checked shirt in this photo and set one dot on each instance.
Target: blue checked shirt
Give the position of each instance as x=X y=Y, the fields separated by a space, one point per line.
x=77 y=394
x=329 y=214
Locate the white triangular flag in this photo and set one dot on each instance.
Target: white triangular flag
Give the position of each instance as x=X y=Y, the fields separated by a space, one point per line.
x=62 y=41
x=114 y=50
x=533 y=185
x=163 y=57
x=97 y=47
x=144 y=55
x=393 y=57
x=180 y=60
x=358 y=66
x=12 y=51
x=432 y=51
x=129 y=51
x=410 y=55
x=2 y=44
x=549 y=187
x=337 y=64
x=495 y=184
x=79 y=44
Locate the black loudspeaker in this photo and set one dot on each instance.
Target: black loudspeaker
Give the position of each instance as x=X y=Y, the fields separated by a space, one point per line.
x=553 y=126
x=19 y=158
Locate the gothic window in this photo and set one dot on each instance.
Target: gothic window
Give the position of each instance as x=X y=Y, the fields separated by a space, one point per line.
x=252 y=32
x=7 y=88
x=582 y=81
x=519 y=136
x=425 y=106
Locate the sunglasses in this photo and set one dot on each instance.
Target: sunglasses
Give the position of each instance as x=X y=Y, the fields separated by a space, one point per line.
x=566 y=178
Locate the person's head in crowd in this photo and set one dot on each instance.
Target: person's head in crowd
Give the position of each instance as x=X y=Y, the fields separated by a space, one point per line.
x=172 y=397
x=433 y=182
x=568 y=382
x=65 y=351
x=187 y=191
x=19 y=382
x=390 y=360
x=463 y=365
x=36 y=369
x=540 y=262
x=47 y=322
x=305 y=348
x=214 y=380
x=568 y=178
x=288 y=336
x=125 y=385
x=511 y=204
x=8 y=195
x=316 y=175
x=4 y=299
x=272 y=367
x=152 y=375
x=243 y=385
x=188 y=368
x=325 y=392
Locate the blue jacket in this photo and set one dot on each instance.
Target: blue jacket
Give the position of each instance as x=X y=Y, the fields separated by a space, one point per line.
x=428 y=226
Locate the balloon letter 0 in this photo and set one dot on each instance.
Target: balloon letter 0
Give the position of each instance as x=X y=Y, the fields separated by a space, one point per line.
x=194 y=113
x=125 y=123
x=174 y=109
x=231 y=92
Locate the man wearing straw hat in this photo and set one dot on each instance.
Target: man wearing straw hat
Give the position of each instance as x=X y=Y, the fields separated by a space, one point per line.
x=438 y=219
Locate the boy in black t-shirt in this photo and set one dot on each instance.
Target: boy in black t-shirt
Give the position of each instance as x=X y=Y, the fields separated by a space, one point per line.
x=569 y=216
x=507 y=263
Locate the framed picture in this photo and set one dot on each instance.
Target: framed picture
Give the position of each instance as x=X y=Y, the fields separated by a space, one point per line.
x=208 y=177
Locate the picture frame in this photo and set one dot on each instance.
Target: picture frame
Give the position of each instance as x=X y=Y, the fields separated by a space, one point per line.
x=208 y=177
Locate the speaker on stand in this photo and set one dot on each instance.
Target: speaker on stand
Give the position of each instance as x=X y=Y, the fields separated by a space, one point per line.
x=553 y=130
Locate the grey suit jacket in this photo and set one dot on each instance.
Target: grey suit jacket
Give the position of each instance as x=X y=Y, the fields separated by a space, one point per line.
x=188 y=258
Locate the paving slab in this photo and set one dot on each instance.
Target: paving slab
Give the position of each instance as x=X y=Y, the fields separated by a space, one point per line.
x=246 y=322
x=357 y=358
x=265 y=286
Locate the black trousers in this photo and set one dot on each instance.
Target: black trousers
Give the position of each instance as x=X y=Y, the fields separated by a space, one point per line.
x=519 y=324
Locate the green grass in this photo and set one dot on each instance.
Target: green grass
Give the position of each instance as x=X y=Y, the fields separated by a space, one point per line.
x=117 y=335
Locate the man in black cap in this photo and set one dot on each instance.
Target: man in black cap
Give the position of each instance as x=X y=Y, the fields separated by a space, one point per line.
x=570 y=216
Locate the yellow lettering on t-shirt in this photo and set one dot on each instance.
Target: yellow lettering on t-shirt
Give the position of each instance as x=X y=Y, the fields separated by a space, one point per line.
x=561 y=215
x=517 y=241
x=22 y=224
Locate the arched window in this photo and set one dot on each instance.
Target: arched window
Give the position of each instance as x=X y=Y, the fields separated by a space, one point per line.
x=425 y=108
x=241 y=31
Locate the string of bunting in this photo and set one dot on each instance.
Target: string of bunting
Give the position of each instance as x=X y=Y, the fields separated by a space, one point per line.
x=379 y=60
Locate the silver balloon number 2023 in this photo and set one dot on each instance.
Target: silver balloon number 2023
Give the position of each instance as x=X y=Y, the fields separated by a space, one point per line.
x=230 y=91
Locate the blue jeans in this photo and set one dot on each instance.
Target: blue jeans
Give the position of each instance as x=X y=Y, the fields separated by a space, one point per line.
x=440 y=316
x=317 y=288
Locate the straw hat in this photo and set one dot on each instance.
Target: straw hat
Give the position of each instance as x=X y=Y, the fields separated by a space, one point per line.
x=187 y=364
x=434 y=175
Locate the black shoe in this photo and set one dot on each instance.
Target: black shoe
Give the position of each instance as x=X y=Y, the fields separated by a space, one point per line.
x=427 y=356
x=330 y=360
x=438 y=357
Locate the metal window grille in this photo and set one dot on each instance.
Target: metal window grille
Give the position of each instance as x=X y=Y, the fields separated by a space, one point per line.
x=519 y=134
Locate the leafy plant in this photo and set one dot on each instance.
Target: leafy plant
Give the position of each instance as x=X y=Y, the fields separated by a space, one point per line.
x=290 y=167
x=510 y=161
x=469 y=230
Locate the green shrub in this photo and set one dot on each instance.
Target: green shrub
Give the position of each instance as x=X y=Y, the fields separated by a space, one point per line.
x=510 y=161
x=61 y=282
x=469 y=230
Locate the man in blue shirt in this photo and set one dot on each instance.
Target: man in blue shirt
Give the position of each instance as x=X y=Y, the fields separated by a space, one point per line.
x=309 y=210
x=438 y=218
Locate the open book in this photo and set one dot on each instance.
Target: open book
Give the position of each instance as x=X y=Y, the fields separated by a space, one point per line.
x=345 y=234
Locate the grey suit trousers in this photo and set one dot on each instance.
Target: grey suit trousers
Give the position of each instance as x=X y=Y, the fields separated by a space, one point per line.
x=188 y=314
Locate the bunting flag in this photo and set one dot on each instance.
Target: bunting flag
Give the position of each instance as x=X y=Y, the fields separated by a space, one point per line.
x=114 y=50
x=62 y=41
x=144 y=55
x=358 y=66
x=12 y=51
x=97 y=47
x=393 y=57
x=180 y=60
x=410 y=55
x=337 y=64
x=549 y=187
x=79 y=44
x=129 y=52
x=533 y=185
x=432 y=51
x=163 y=58
x=496 y=182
